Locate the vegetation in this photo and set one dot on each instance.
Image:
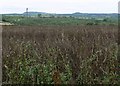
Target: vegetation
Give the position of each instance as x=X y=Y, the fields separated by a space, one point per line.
x=60 y=54
x=33 y=21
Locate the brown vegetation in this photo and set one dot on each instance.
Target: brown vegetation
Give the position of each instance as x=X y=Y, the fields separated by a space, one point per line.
x=80 y=54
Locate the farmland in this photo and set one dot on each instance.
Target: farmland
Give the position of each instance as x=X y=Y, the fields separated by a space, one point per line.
x=61 y=21
x=60 y=54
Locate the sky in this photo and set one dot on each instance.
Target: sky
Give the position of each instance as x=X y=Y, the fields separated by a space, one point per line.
x=59 y=6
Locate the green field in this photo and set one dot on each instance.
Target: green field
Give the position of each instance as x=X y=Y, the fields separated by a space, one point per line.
x=60 y=21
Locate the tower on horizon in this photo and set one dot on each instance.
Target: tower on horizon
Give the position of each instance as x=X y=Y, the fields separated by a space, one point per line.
x=27 y=12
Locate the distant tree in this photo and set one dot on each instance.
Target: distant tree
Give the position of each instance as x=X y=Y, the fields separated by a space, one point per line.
x=52 y=16
x=39 y=15
x=90 y=23
x=4 y=20
x=105 y=20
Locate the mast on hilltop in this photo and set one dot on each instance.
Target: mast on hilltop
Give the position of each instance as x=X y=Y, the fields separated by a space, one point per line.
x=27 y=12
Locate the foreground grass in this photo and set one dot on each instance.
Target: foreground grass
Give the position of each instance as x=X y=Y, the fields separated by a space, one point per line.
x=60 y=55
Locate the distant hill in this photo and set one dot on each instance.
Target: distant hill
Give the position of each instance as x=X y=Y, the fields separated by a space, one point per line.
x=34 y=13
x=76 y=15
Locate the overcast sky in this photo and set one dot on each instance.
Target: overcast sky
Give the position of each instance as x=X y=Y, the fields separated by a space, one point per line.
x=59 y=6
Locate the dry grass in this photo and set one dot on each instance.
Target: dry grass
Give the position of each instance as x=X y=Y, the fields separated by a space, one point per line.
x=71 y=54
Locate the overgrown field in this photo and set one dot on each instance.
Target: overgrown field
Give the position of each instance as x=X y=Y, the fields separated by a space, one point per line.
x=60 y=55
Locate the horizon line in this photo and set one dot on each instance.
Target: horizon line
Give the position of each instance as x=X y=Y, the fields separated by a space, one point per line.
x=65 y=13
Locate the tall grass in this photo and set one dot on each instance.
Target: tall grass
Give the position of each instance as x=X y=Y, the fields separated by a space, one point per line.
x=60 y=55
